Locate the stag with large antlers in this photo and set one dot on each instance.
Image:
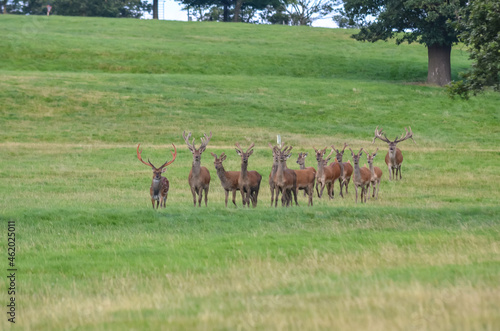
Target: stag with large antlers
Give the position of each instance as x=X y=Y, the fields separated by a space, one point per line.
x=249 y=181
x=199 y=177
x=376 y=173
x=362 y=176
x=160 y=185
x=394 y=157
x=345 y=169
x=228 y=179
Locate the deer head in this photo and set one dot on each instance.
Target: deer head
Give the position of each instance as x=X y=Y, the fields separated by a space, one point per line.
x=218 y=161
x=370 y=157
x=197 y=152
x=392 y=144
x=320 y=153
x=355 y=157
x=244 y=155
x=157 y=171
x=339 y=155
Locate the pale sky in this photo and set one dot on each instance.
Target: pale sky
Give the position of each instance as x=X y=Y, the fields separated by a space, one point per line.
x=172 y=11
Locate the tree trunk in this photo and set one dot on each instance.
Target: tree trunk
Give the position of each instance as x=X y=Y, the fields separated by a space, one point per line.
x=439 y=65
x=155 y=9
x=237 y=10
x=226 y=13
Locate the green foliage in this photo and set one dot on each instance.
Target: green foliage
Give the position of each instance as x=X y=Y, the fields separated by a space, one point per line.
x=480 y=32
x=108 y=8
x=423 y=21
x=78 y=94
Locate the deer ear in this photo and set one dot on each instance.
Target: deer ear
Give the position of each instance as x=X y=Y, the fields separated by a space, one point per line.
x=251 y=152
x=223 y=157
x=305 y=155
x=214 y=155
x=163 y=170
x=238 y=151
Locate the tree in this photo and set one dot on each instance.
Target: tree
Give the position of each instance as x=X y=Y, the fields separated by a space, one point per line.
x=240 y=12
x=479 y=24
x=425 y=21
x=108 y=8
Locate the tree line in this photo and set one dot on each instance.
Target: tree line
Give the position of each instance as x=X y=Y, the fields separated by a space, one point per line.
x=437 y=24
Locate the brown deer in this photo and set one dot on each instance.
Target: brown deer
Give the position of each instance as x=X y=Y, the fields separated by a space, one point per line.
x=305 y=178
x=345 y=169
x=249 y=181
x=362 y=176
x=199 y=177
x=376 y=173
x=273 y=171
x=285 y=180
x=159 y=185
x=228 y=179
x=327 y=174
x=394 y=157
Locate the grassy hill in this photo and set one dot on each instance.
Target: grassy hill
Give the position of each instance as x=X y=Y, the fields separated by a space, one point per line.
x=78 y=94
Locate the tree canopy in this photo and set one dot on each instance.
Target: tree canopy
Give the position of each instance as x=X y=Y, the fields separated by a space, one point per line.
x=479 y=24
x=108 y=8
x=425 y=21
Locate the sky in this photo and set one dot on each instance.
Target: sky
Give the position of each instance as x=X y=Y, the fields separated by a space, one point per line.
x=172 y=11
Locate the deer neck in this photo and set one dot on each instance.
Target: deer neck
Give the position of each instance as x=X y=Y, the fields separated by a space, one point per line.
x=357 y=172
x=156 y=185
x=221 y=172
x=372 y=170
x=321 y=169
x=341 y=164
x=244 y=171
x=302 y=165
x=280 y=172
x=196 y=168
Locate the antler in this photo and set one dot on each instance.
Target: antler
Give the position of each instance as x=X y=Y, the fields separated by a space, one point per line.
x=336 y=150
x=140 y=158
x=378 y=134
x=174 y=155
x=345 y=145
x=204 y=141
x=409 y=134
x=186 y=139
x=331 y=152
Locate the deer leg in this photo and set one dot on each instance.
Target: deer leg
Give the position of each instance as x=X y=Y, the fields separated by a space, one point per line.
x=200 y=196
x=356 y=189
x=206 y=196
x=295 y=193
x=399 y=168
x=153 y=202
x=193 y=192
x=272 y=196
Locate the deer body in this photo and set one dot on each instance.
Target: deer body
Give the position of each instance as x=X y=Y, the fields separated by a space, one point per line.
x=249 y=181
x=301 y=161
x=394 y=157
x=159 y=185
x=199 y=177
x=376 y=174
x=285 y=180
x=362 y=176
x=326 y=174
x=345 y=169
x=274 y=169
x=228 y=179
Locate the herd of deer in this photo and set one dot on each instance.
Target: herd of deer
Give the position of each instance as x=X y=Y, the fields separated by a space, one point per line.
x=282 y=180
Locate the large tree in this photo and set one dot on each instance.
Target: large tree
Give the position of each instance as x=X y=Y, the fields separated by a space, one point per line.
x=479 y=24
x=425 y=21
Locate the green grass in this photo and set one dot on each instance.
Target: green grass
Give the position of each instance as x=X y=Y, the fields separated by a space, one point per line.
x=78 y=94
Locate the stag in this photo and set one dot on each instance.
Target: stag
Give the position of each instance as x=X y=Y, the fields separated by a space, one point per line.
x=159 y=185
x=394 y=157
x=199 y=177
x=285 y=180
x=305 y=178
x=345 y=169
x=376 y=173
x=362 y=176
x=228 y=179
x=327 y=174
x=249 y=181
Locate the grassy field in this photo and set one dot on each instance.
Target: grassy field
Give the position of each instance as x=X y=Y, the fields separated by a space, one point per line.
x=78 y=94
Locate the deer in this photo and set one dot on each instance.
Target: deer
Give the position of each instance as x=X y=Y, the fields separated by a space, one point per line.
x=285 y=180
x=199 y=177
x=249 y=181
x=305 y=178
x=376 y=173
x=273 y=171
x=345 y=169
x=394 y=157
x=160 y=185
x=327 y=174
x=228 y=179
x=362 y=176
